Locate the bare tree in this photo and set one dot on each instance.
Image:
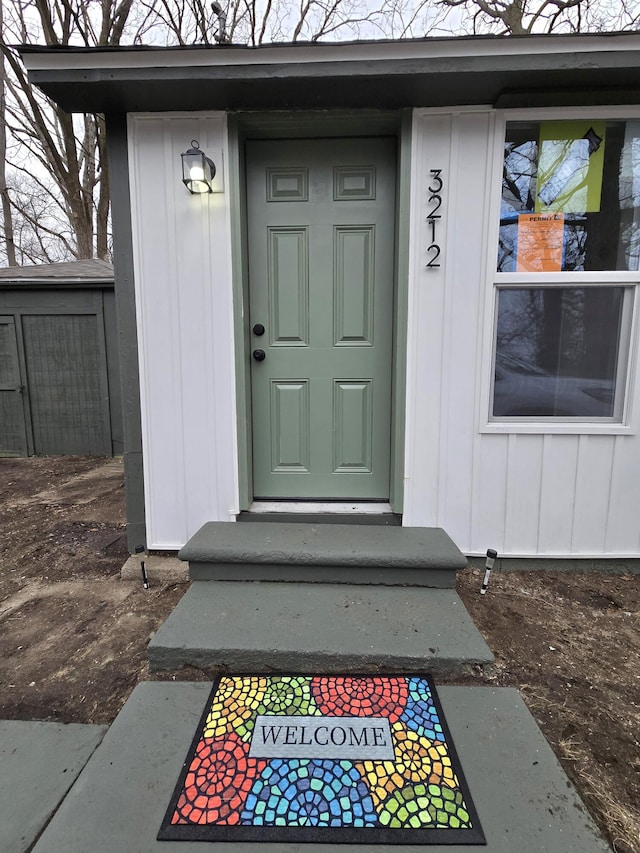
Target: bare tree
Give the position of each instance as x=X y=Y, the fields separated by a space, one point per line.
x=7 y=213
x=56 y=157
x=524 y=17
x=61 y=160
x=258 y=21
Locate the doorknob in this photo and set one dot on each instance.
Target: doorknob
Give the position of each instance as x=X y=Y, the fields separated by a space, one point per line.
x=258 y=329
x=259 y=354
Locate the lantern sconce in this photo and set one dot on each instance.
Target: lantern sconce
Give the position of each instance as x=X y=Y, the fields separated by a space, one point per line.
x=198 y=171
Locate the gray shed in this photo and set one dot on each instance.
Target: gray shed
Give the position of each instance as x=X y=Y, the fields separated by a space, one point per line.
x=59 y=382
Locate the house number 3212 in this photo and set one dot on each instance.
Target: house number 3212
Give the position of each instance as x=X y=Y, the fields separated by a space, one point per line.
x=433 y=217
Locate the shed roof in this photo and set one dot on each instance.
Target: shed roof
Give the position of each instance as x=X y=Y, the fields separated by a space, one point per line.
x=503 y=71
x=89 y=271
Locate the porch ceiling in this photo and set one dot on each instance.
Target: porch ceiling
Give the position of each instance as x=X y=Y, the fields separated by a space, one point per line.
x=509 y=72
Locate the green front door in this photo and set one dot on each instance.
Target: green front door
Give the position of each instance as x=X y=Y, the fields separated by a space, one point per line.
x=321 y=268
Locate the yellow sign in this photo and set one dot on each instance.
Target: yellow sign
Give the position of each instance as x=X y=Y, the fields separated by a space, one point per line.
x=570 y=166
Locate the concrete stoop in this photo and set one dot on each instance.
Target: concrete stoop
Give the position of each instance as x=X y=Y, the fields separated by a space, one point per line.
x=324 y=553
x=524 y=800
x=305 y=597
x=299 y=627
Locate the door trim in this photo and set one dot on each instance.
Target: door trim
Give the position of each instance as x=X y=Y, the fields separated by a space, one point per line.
x=242 y=126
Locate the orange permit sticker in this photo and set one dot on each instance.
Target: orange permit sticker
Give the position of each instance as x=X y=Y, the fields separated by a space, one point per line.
x=540 y=242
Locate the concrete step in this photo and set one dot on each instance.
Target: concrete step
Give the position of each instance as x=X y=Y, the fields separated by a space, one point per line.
x=297 y=627
x=324 y=553
x=524 y=800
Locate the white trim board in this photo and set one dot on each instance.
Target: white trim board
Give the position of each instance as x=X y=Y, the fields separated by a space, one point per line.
x=325 y=507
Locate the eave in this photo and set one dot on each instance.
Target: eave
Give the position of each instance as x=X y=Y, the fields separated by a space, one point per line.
x=524 y=71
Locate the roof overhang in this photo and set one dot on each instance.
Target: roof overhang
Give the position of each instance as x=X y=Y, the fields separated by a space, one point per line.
x=89 y=272
x=514 y=71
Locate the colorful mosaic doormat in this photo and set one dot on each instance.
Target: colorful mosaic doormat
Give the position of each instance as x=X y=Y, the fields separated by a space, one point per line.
x=335 y=759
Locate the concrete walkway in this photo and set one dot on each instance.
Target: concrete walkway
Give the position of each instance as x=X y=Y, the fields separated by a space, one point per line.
x=39 y=762
x=523 y=798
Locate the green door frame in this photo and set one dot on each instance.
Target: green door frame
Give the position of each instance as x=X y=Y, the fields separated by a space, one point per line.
x=279 y=125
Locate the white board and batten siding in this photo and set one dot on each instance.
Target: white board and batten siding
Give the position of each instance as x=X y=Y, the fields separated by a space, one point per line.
x=524 y=493
x=551 y=491
x=182 y=268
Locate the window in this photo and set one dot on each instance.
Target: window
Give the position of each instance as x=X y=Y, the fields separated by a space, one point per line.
x=569 y=238
x=552 y=358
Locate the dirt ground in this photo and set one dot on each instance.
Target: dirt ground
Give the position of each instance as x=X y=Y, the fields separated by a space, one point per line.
x=73 y=635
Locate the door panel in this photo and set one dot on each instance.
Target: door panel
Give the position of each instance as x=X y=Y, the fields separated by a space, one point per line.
x=321 y=267
x=290 y=428
x=288 y=259
x=68 y=390
x=353 y=426
x=13 y=434
x=354 y=282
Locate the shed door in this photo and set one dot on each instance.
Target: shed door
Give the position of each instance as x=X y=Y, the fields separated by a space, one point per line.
x=67 y=384
x=321 y=269
x=13 y=434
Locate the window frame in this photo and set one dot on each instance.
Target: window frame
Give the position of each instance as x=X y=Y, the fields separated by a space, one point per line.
x=626 y=370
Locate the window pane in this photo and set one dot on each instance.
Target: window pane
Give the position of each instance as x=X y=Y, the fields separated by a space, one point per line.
x=557 y=351
x=570 y=196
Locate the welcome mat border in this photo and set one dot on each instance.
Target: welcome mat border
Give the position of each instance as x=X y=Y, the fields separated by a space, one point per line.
x=327 y=835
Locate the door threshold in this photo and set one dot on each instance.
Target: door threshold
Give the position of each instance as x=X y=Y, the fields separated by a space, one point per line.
x=324 y=507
